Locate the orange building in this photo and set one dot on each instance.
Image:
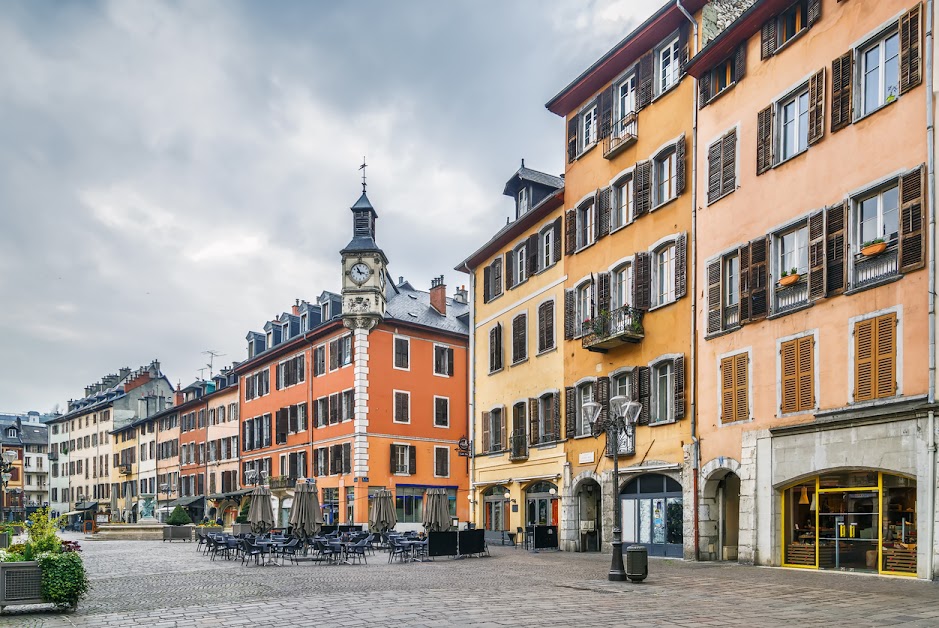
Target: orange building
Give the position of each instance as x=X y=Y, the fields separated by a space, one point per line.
x=364 y=390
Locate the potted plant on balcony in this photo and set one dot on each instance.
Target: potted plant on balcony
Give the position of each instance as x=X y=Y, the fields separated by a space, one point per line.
x=874 y=247
x=598 y=324
x=789 y=278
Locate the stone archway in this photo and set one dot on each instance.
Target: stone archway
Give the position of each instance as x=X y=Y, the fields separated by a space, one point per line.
x=571 y=509
x=719 y=523
x=587 y=512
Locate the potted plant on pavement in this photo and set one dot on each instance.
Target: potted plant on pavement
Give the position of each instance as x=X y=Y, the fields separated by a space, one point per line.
x=179 y=527
x=873 y=248
x=241 y=525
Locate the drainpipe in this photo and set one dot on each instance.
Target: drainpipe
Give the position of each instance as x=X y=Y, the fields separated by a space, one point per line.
x=931 y=203
x=696 y=454
x=472 y=392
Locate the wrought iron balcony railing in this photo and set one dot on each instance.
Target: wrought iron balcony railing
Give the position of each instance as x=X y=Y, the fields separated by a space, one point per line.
x=611 y=329
x=282 y=481
x=871 y=269
x=792 y=296
x=624 y=133
x=518 y=446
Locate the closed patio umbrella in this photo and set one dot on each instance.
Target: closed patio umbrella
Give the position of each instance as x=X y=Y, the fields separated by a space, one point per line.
x=260 y=513
x=436 y=510
x=127 y=504
x=114 y=507
x=383 y=516
x=306 y=518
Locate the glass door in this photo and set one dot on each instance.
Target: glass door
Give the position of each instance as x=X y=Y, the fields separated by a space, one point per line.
x=848 y=523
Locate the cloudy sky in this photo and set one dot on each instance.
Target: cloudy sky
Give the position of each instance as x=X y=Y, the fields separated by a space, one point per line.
x=173 y=174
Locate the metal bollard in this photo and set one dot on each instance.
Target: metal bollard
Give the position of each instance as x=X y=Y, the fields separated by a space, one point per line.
x=637 y=562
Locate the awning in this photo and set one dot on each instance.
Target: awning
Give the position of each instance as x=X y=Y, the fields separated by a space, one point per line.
x=229 y=495
x=73 y=512
x=186 y=501
x=86 y=505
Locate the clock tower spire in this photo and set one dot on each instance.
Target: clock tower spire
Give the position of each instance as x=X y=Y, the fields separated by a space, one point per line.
x=363 y=268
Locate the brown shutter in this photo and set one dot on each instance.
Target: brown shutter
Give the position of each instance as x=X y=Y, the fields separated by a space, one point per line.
x=816 y=255
x=570 y=412
x=642 y=281
x=680 y=166
x=487 y=281
x=685 y=43
x=604 y=113
x=534 y=253
x=836 y=245
x=910 y=74
x=505 y=421
x=806 y=376
x=841 y=71
x=714 y=275
x=346 y=458
x=885 y=356
x=641 y=392
x=912 y=236
x=704 y=89
x=678 y=368
x=740 y=62
x=681 y=266
x=450 y=356
x=603 y=293
x=568 y=314
x=570 y=228
x=715 y=171
x=729 y=163
x=556 y=241
x=643 y=188
x=817 y=107
x=603 y=398
x=573 y=127
x=757 y=278
x=497 y=277
x=814 y=11
x=789 y=366
x=603 y=212
x=644 y=91
x=542 y=327
x=728 y=390
x=864 y=359
x=557 y=416
x=741 y=387
x=486 y=438
x=533 y=409
x=412 y=459
x=510 y=270
x=764 y=140
x=768 y=38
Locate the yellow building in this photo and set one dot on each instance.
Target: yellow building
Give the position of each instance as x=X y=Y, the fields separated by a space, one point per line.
x=627 y=317
x=516 y=382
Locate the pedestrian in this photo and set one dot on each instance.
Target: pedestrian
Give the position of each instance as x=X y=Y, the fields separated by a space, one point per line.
x=218 y=521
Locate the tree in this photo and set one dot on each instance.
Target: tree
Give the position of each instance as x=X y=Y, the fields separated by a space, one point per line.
x=243 y=513
x=179 y=517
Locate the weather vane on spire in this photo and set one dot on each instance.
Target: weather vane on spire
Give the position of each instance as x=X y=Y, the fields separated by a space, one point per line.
x=362 y=168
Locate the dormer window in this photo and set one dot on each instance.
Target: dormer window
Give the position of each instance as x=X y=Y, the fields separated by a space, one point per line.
x=270 y=338
x=522 y=201
x=304 y=323
x=11 y=433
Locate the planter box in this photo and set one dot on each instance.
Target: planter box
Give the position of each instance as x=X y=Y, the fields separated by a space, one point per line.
x=4 y=540
x=20 y=583
x=177 y=533
x=240 y=528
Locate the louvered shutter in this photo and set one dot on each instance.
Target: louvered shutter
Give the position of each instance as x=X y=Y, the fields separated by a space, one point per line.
x=704 y=89
x=740 y=62
x=450 y=356
x=557 y=416
x=885 y=356
x=570 y=235
x=533 y=432
x=681 y=266
x=394 y=459
x=714 y=277
x=642 y=283
x=741 y=387
x=603 y=205
x=573 y=129
x=759 y=298
x=568 y=314
x=603 y=398
x=729 y=163
x=841 y=72
x=533 y=252
x=510 y=270
x=603 y=293
x=641 y=392
x=685 y=43
x=644 y=92
x=279 y=380
x=910 y=74
x=570 y=412
x=333 y=355
x=542 y=327
x=816 y=279
x=678 y=366
x=789 y=366
x=715 y=171
x=347 y=458
x=728 y=390
x=806 y=377
x=486 y=438
x=768 y=38
x=912 y=236
x=493 y=361
x=604 y=113
x=496 y=277
x=594 y=310
x=556 y=240
x=412 y=459
x=817 y=107
x=335 y=407
x=504 y=425
x=764 y=140
x=836 y=245
x=642 y=188
x=814 y=11
x=680 y=166
x=864 y=359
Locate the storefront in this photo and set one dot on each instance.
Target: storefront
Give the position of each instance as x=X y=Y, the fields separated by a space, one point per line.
x=541 y=504
x=852 y=520
x=652 y=514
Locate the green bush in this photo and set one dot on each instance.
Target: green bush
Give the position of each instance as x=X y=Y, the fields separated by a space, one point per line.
x=64 y=581
x=42 y=532
x=179 y=517
x=243 y=513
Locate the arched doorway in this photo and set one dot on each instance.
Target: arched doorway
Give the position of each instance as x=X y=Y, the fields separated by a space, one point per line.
x=541 y=504
x=588 y=507
x=652 y=514
x=728 y=516
x=495 y=513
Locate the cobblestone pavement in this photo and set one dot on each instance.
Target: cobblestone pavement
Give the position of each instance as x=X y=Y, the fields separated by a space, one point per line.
x=161 y=584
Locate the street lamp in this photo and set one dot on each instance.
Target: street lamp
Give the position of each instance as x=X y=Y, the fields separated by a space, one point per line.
x=6 y=468
x=622 y=416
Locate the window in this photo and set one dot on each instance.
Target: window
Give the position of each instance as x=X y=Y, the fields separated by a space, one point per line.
x=797 y=370
x=495 y=348
x=402 y=353
x=663 y=392
x=722 y=167
x=548 y=422
x=622 y=284
x=584 y=394
x=735 y=388
x=624 y=202
x=340 y=352
x=443 y=360
x=793 y=116
x=669 y=66
x=663 y=174
x=402 y=407
x=585 y=224
x=321 y=412
x=347 y=400
x=402 y=459
x=663 y=275
x=625 y=101
x=319 y=360
x=522 y=201
x=441 y=462
x=441 y=412
x=582 y=311
x=722 y=77
x=521 y=265
x=291 y=372
x=588 y=127
x=546 y=326
x=878 y=216
x=492 y=280
x=519 y=338
x=547 y=247
x=494 y=430
x=880 y=73
x=875 y=349
x=731 y=289
x=791 y=22
x=409 y=504
x=793 y=251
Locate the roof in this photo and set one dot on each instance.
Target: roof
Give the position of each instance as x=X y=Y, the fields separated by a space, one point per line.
x=31 y=433
x=512 y=231
x=534 y=176
x=362 y=203
x=413 y=306
x=642 y=39
x=740 y=30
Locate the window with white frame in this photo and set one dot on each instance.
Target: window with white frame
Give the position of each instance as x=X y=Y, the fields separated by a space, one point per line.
x=402 y=353
x=402 y=459
x=585 y=224
x=878 y=216
x=793 y=252
x=663 y=274
x=664 y=182
x=625 y=101
x=521 y=264
x=584 y=394
x=441 y=462
x=663 y=392
x=731 y=281
x=547 y=247
x=522 y=201
x=583 y=311
x=880 y=72
x=402 y=409
x=443 y=360
x=622 y=286
x=793 y=116
x=623 y=201
x=441 y=412
x=669 y=65
x=588 y=121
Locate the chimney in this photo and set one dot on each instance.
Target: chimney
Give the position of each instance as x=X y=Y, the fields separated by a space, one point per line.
x=460 y=296
x=400 y=279
x=438 y=295
x=123 y=373
x=295 y=310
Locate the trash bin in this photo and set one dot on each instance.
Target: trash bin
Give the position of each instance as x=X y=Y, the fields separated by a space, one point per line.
x=637 y=562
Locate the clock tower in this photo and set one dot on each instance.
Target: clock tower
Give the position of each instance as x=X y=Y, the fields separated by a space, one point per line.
x=363 y=270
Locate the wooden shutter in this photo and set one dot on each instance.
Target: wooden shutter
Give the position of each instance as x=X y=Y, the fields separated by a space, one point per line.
x=644 y=91
x=715 y=171
x=912 y=236
x=412 y=459
x=573 y=129
x=557 y=416
x=570 y=412
x=681 y=266
x=278 y=379
x=641 y=392
x=680 y=166
x=510 y=270
x=556 y=240
x=806 y=372
x=704 y=89
x=817 y=107
x=568 y=314
x=496 y=277
x=347 y=458
x=816 y=252
x=741 y=387
x=333 y=355
x=678 y=370
x=542 y=327
x=486 y=438
x=450 y=356
x=728 y=176
x=642 y=188
x=757 y=278
x=885 y=356
x=764 y=139
x=728 y=390
x=533 y=410
x=532 y=250
x=603 y=212
x=740 y=62
x=684 y=41
x=864 y=375
x=604 y=113
x=836 y=246
x=519 y=338
x=768 y=38
x=841 y=71
x=503 y=425
x=603 y=292
x=715 y=301
x=642 y=281
x=570 y=227
x=910 y=74
x=789 y=367
x=814 y=11
x=603 y=398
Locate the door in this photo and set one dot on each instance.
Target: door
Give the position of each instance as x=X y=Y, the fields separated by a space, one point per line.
x=652 y=514
x=848 y=524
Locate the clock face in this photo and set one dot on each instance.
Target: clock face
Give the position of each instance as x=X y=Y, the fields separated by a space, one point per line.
x=359 y=273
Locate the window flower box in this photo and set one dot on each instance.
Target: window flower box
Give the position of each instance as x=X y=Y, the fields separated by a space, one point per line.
x=874 y=248
x=788 y=280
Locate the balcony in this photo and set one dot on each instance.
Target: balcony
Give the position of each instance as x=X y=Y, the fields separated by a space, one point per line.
x=731 y=316
x=611 y=329
x=875 y=268
x=793 y=296
x=53 y=455
x=282 y=482
x=518 y=446
x=123 y=469
x=624 y=134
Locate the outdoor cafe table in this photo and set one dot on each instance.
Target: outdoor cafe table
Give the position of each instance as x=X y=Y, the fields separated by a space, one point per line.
x=411 y=545
x=270 y=545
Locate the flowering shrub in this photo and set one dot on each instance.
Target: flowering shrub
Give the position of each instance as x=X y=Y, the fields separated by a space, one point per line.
x=64 y=581
x=71 y=546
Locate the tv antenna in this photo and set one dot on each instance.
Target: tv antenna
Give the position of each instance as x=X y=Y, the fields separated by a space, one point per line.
x=212 y=353
x=202 y=373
